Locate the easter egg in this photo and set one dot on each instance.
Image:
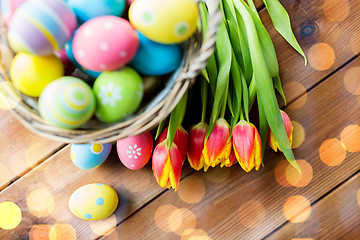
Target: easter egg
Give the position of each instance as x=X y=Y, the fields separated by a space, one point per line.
x=67 y=102
x=93 y=201
x=105 y=43
x=31 y=74
x=134 y=152
x=164 y=21
x=87 y=156
x=154 y=58
x=86 y=10
x=8 y=8
x=41 y=27
x=71 y=57
x=118 y=94
x=68 y=65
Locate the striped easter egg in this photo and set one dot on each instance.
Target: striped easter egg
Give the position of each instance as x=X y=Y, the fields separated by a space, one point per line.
x=67 y=102
x=41 y=27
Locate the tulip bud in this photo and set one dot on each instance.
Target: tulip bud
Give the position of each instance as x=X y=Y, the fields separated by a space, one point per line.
x=217 y=146
x=247 y=145
x=167 y=165
x=181 y=140
x=197 y=135
x=288 y=128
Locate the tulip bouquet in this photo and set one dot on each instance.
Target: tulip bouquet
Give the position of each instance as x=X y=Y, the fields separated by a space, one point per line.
x=243 y=68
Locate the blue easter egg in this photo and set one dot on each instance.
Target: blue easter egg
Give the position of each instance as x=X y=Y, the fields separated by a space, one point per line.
x=85 y=10
x=156 y=59
x=87 y=156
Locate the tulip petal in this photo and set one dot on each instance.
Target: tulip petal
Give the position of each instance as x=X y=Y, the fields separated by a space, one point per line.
x=180 y=139
x=288 y=128
x=197 y=135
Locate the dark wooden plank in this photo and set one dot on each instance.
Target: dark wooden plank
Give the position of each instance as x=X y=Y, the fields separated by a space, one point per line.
x=229 y=206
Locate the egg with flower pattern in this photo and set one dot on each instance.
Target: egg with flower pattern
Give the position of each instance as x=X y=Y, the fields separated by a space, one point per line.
x=93 y=201
x=87 y=156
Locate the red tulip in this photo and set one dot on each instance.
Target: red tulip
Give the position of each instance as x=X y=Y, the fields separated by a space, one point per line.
x=197 y=135
x=167 y=165
x=247 y=145
x=180 y=139
x=289 y=130
x=232 y=159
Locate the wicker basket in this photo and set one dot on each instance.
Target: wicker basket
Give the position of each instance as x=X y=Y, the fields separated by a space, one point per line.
x=197 y=51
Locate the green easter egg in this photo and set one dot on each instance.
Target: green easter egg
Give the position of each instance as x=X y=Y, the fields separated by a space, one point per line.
x=118 y=94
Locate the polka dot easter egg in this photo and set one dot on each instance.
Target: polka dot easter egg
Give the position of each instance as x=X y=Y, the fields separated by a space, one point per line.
x=85 y=10
x=156 y=59
x=8 y=8
x=67 y=102
x=105 y=43
x=41 y=27
x=164 y=21
x=94 y=201
x=87 y=156
x=31 y=74
x=118 y=94
x=134 y=152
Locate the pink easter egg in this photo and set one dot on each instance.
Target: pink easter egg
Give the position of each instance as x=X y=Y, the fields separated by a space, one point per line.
x=134 y=152
x=105 y=43
x=129 y=2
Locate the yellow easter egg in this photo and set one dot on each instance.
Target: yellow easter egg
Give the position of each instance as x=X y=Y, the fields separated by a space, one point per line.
x=164 y=21
x=30 y=74
x=94 y=201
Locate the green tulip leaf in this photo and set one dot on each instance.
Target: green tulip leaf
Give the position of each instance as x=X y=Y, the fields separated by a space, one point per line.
x=278 y=87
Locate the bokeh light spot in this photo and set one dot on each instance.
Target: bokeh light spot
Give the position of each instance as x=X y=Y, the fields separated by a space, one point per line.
x=32 y=153
x=103 y=227
x=251 y=214
x=161 y=217
x=10 y=215
x=355 y=42
x=61 y=211
x=321 y=56
x=191 y=189
x=8 y=97
x=297 y=179
x=332 y=152
x=298 y=134
x=5 y=176
x=182 y=221
x=195 y=234
x=217 y=174
x=294 y=89
x=352 y=80
x=358 y=196
x=40 y=202
x=350 y=136
x=335 y=13
x=297 y=209
x=61 y=232
x=280 y=173
x=39 y=232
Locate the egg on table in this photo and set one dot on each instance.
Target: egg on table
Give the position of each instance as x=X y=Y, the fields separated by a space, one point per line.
x=105 y=43
x=41 y=27
x=118 y=94
x=93 y=201
x=88 y=156
x=67 y=102
x=164 y=21
x=135 y=151
x=31 y=74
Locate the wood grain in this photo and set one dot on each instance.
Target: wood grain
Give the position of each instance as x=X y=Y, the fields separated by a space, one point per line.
x=218 y=212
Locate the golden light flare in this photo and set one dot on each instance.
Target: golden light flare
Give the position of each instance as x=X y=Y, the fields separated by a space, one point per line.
x=40 y=202
x=191 y=189
x=161 y=217
x=292 y=89
x=39 y=232
x=5 y=176
x=352 y=80
x=10 y=216
x=61 y=213
x=182 y=221
x=195 y=234
x=335 y=13
x=355 y=43
x=298 y=134
x=280 y=173
x=62 y=231
x=32 y=153
x=297 y=179
x=136 y=182
x=332 y=152
x=350 y=136
x=103 y=227
x=6 y=56
x=218 y=174
x=321 y=56
x=297 y=209
x=8 y=98
x=251 y=214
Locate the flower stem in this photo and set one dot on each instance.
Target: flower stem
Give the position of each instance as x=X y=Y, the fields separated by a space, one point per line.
x=204 y=95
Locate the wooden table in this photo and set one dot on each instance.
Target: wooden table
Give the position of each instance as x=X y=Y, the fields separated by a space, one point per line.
x=225 y=203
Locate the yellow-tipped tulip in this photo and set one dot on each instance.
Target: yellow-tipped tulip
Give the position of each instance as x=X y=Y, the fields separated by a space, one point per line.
x=247 y=145
x=289 y=130
x=195 y=155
